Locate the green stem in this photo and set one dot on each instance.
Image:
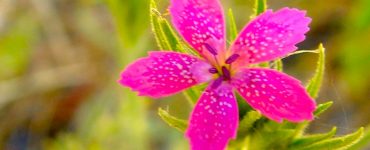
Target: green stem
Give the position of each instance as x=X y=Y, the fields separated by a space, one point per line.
x=260 y=6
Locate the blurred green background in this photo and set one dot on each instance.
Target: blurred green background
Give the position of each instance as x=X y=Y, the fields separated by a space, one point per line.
x=60 y=60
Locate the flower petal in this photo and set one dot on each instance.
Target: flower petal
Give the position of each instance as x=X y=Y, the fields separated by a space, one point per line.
x=214 y=119
x=163 y=73
x=272 y=35
x=276 y=95
x=200 y=22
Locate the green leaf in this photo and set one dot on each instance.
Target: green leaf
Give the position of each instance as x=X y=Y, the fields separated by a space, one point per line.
x=164 y=34
x=172 y=121
x=243 y=107
x=186 y=48
x=303 y=51
x=193 y=93
x=363 y=142
x=280 y=138
x=311 y=139
x=156 y=26
x=300 y=128
x=232 y=30
x=313 y=86
x=155 y=18
x=265 y=139
x=343 y=142
x=322 y=107
x=264 y=65
x=260 y=6
x=278 y=65
x=246 y=124
x=169 y=34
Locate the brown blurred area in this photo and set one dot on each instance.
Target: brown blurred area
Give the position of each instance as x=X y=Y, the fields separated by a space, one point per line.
x=64 y=65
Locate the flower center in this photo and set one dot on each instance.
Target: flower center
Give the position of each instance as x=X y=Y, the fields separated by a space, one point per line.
x=224 y=75
x=222 y=70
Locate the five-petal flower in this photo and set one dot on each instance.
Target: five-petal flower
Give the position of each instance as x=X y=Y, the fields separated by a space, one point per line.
x=214 y=119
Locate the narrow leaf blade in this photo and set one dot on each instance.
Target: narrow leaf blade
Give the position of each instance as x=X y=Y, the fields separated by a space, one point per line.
x=193 y=93
x=169 y=33
x=364 y=142
x=232 y=30
x=313 y=86
x=156 y=27
x=337 y=143
x=278 y=65
x=322 y=107
x=172 y=121
x=260 y=6
x=247 y=122
x=311 y=139
x=164 y=34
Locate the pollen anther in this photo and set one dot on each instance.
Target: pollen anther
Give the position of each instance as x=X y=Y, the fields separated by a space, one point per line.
x=213 y=70
x=232 y=58
x=226 y=73
x=210 y=49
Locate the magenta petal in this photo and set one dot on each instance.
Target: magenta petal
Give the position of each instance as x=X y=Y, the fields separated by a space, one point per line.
x=200 y=22
x=276 y=95
x=161 y=74
x=272 y=35
x=214 y=119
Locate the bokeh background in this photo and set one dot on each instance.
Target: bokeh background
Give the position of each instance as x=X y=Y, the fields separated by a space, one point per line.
x=60 y=60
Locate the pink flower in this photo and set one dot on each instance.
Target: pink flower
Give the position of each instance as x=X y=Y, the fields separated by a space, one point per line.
x=214 y=119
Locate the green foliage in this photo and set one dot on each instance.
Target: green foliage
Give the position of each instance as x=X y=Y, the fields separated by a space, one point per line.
x=272 y=135
x=164 y=35
x=278 y=65
x=193 y=93
x=246 y=123
x=322 y=107
x=336 y=143
x=260 y=6
x=264 y=65
x=303 y=51
x=311 y=139
x=363 y=142
x=313 y=86
x=172 y=121
x=269 y=135
x=232 y=30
